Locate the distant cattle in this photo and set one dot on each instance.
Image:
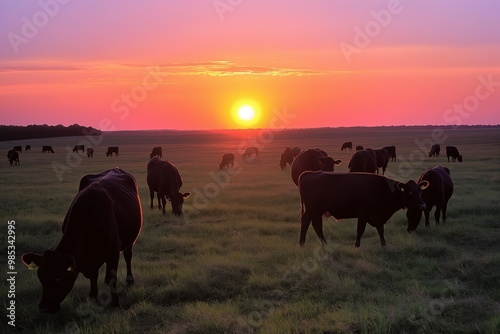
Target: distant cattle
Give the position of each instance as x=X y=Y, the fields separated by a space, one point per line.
x=28 y=148
x=312 y=160
x=156 y=152
x=249 y=151
x=164 y=179
x=18 y=148
x=13 y=157
x=392 y=152
x=47 y=149
x=346 y=145
x=359 y=148
x=452 y=151
x=78 y=148
x=227 y=160
x=112 y=150
x=438 y=193
x=373 y=199
x=435 y=149
x=382 y=159
x=287 y=157
x=104 y=219
x=363 y=161
x=90 y=152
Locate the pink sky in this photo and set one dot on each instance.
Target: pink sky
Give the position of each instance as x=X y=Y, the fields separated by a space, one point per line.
x=186 y=64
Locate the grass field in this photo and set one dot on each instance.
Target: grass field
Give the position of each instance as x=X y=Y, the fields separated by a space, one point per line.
x=233 y=264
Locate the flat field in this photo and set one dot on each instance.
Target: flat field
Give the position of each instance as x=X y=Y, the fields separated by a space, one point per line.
x=232 y=264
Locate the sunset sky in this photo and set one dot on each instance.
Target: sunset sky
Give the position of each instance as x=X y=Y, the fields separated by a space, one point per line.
x=157 y=64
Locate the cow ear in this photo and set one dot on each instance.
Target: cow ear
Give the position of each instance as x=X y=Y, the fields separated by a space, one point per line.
x=32 y=260
x=186 y=195
x=423 y=185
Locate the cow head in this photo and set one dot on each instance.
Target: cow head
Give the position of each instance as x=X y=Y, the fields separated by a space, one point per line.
x=177 y=200
x=411 y=198
x=327 y=163
x=459 y=158
x=56 y=273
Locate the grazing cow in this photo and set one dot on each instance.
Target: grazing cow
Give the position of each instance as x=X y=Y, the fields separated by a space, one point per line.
x=392 y=152
x=435 y=149
x=438 y=192
x=156 y=152
x=111 y=150
x=359 y=148
x=312 y=159
x=452 y=151
x=47 y=149
x=90 y=152
x=249 y=151
x=18 y=148
x=382 y=159
x=363 y=161
x=373 y=199
x=104 y=219
x=346 y=145
x=28 y=148
x=13 y=157
x=288 y=155
x=227 y=160
x=165 y=179
x=78 y=148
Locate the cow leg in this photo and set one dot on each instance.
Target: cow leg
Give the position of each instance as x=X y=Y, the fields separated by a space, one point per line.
x=163 y=204
x=127 y=254
x=110 y=279
x=305 y=221
x=159 y=201
x=152 y=196
x=444 y=210
x=437 y=214
x=427 y=211
x=380 y=230
x=93 y=285
x=361 y=230
x=317 y=223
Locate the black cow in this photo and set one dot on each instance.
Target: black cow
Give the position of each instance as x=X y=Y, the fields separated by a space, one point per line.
x=288 y=155
x=359 y=148
x=111 y=150
x=438 y=192
x=383 y=156
x=392 y=152
x=90 y=152
x=104 y=219
x=435 y=149
x=346 y=145
x=165 y=179
x=47 y=149
x=13 y=157
x=363 y=161
x=18 y=148
x=227 y=160
x=78 y=148
x=28 y=148
x=156 y=152
x=452 y=151
x=312 y=159
x=249 y=151
x=371 y=198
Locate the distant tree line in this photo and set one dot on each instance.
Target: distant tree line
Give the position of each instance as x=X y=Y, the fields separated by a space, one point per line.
x=14 y=132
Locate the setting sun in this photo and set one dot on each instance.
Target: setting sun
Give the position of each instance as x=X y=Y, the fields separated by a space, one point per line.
x=246 y=113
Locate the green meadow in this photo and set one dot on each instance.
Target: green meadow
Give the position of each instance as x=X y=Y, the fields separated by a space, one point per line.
x=232 y=264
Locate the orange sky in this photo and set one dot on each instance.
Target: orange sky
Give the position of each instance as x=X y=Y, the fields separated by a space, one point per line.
x=181 y=65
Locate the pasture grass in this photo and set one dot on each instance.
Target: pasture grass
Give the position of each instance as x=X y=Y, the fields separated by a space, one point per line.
x=232 y=264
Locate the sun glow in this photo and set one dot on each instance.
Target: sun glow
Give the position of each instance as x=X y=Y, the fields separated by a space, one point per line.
x=246 y=113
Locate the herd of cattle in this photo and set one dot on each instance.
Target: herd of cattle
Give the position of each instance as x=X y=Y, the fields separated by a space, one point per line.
x=117 y=212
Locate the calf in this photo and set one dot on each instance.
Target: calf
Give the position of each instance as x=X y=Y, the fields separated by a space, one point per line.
x=104 y=219
x=112 y=150
x=371 y=198
x=452 y=151
x=438 y=192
